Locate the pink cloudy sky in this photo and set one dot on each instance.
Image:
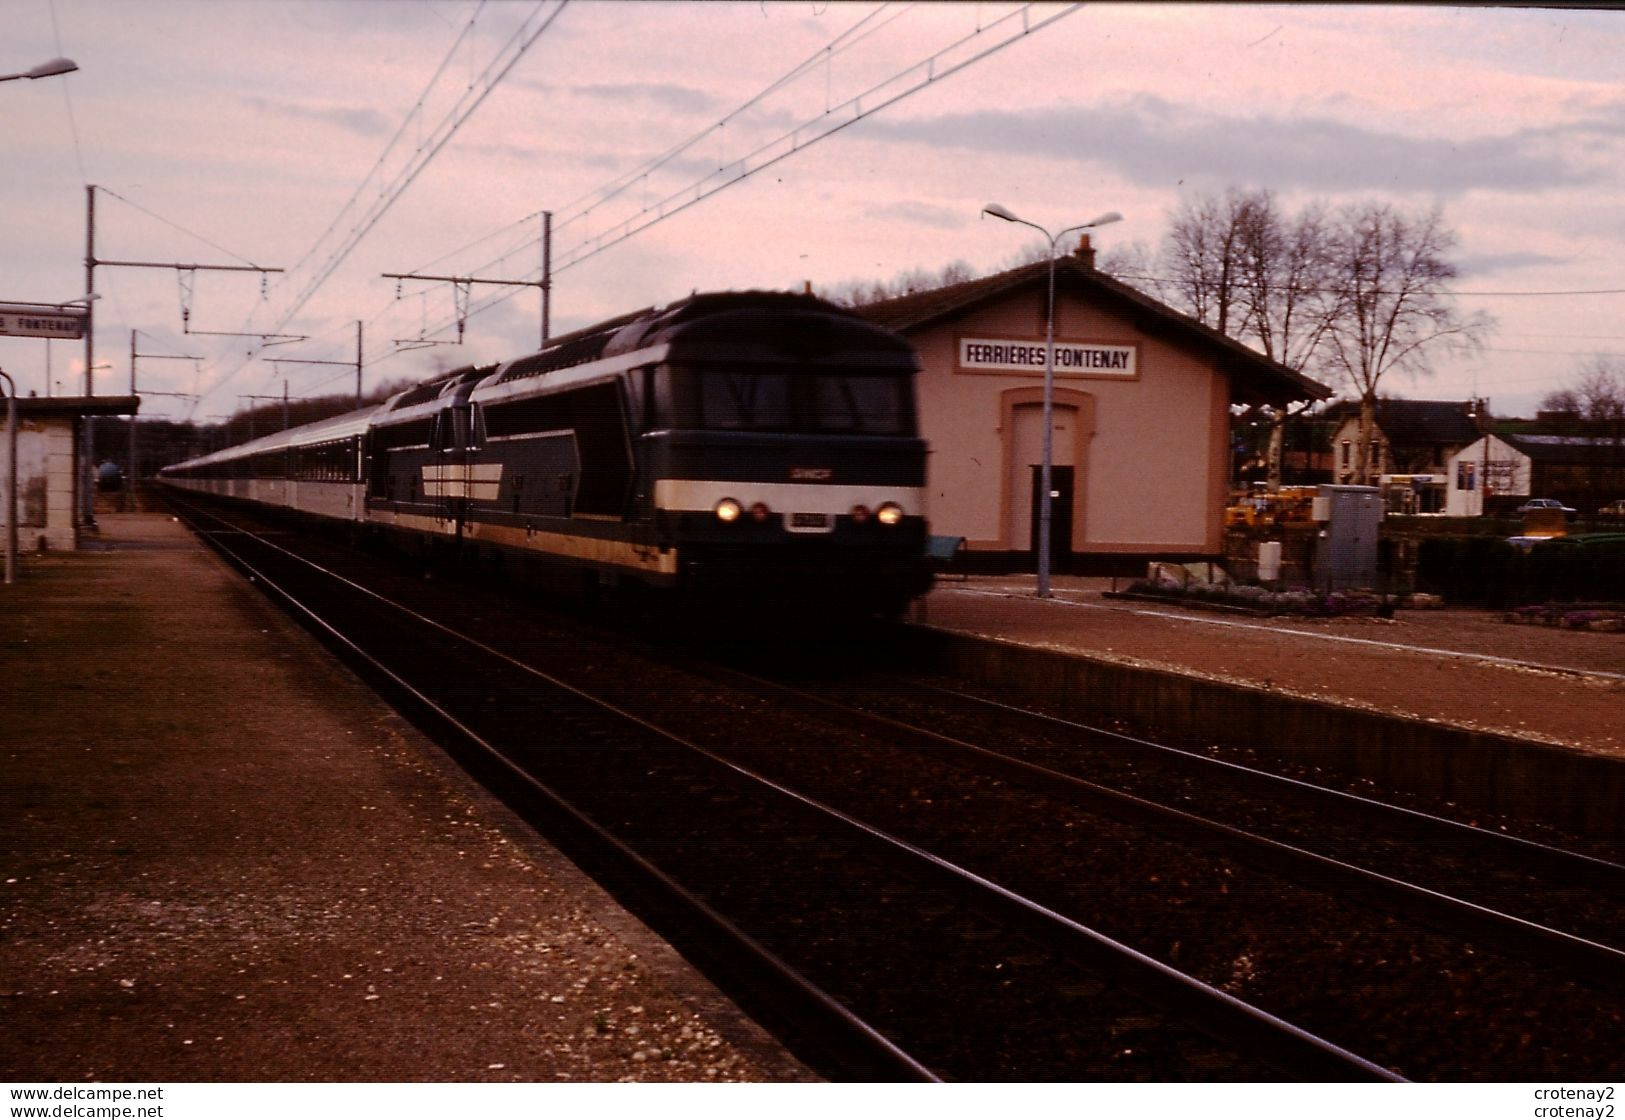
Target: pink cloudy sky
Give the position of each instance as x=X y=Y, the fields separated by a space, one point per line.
x=223 y=132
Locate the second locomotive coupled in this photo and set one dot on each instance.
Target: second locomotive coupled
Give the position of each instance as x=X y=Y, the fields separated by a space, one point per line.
x=753 y=447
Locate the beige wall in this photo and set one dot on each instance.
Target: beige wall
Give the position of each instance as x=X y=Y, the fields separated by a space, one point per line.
x=46 y=489
x=1150 y=452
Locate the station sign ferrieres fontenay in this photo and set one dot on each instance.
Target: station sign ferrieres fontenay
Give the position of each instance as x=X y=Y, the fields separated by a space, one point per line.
x=1074 y=359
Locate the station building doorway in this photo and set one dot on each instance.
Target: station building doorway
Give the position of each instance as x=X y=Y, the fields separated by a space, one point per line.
x=1060 y=514
x=1023 y=493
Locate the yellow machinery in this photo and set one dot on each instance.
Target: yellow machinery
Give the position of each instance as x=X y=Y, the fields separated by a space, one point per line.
x=1277 y=507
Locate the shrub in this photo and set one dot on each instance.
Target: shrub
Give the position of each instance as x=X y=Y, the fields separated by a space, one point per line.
x=1491 y=572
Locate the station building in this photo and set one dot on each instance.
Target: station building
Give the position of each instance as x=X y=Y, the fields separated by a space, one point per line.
x=1142 y=404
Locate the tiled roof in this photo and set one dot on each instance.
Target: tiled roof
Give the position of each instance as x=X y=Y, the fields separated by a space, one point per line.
x=1256 y=378
x=1598 y=451
x=1407 y=423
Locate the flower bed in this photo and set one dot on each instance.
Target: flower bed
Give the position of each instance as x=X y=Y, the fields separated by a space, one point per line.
x=1571 y=616
x=1261 y=600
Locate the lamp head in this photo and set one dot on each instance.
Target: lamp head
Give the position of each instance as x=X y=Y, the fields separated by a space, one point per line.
x=54 y=67
x=999 y=212
x=1105 y=219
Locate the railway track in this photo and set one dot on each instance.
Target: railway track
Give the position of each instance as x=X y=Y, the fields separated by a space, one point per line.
x=1527 y=896
x=945 y=910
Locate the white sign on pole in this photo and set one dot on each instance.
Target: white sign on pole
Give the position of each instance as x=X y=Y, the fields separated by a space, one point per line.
x=42 y=320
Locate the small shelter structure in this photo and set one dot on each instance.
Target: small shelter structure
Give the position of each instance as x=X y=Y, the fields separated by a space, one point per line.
x=52 y=475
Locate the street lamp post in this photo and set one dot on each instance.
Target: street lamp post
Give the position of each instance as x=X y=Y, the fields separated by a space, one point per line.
x=1045 y=471
x=11 y=477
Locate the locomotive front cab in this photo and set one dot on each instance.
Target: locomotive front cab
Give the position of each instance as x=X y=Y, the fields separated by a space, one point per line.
x=782 y=455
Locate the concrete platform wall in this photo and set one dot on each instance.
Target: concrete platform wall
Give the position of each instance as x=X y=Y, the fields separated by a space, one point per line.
x=1527 y=780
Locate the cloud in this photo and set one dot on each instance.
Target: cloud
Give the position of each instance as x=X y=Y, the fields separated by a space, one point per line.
x=1156 y=143
x=362 y=122
x=918 y=214
x=667 y=95
x=1487 y=264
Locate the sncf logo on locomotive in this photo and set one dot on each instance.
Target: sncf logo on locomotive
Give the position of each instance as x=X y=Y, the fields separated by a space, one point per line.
x=811 y=474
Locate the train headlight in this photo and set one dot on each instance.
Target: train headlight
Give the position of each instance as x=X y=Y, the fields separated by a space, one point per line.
x=860 y=514
x=760 y=512
x=728 y=510
x=889 y=514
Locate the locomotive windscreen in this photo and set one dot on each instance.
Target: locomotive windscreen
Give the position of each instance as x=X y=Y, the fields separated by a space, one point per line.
x=773 y=399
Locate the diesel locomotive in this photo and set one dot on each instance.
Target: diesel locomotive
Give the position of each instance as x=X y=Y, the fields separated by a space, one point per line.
x=758 y=448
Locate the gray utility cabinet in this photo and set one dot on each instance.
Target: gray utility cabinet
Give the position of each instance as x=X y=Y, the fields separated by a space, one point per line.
x=1346 y=551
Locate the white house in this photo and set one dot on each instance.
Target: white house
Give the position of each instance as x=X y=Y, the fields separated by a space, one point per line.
x=1581 y=471
x=1484 y=470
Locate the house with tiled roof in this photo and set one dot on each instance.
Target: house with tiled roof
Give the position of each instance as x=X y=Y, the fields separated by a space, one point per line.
x=1141 y=399
x=1412 y=446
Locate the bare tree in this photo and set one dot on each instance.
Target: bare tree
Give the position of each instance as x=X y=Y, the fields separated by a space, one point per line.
x=1203 y=257
x=1564 y=402
x=1594 y=407
x=1293 y=297
x=1600 y=390
x=1134 y=264
x=1596 y=398
x=955 y=272
x=1291 y=294
x=1395 y=307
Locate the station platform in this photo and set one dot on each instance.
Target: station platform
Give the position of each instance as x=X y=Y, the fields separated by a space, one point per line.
x=1513 y=724
x=1465 y=668
x=226 y=860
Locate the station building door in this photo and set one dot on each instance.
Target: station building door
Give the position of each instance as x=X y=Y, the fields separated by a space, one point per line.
x=1060 y=513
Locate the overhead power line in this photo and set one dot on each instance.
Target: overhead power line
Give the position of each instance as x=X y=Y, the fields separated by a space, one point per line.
x=939 y=65
x=406 y=122
x=831 y=118
x=471 y=100
x=981 y=43
x=529 y=30
x=578 y=208
x=177 y=226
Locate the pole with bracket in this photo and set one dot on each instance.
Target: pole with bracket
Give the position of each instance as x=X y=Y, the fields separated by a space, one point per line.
x=323 y=362
x=87 y=451
x=547 y=274
x=128 y=503
x=11 y=477
x=89 y=505
x=461 y=285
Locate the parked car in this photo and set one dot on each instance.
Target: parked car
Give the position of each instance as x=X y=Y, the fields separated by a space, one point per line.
x=1613 y=511
x=1535 y=504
